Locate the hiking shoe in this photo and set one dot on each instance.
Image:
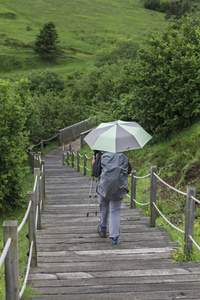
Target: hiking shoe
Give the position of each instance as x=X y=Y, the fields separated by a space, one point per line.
x=101 y=231
x=114 y=241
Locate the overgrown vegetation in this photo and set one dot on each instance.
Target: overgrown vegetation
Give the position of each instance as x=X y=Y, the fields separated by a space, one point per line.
x=174 y=10
x=15 y=107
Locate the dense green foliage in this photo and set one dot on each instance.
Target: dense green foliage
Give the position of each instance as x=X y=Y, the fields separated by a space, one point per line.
x=47 y=81
x=167 y=82
x=158 y=86
x=46 y=43
x=173 y=9
x=15 y=106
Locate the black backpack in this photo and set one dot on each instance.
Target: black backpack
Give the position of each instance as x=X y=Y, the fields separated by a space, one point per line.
x=96 y=167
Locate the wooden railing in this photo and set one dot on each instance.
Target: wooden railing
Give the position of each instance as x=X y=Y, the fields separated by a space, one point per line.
x=72 y=158
x=35 y=205
x=11 y=230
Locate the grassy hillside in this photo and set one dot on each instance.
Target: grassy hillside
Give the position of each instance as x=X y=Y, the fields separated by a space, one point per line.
x=83 y=28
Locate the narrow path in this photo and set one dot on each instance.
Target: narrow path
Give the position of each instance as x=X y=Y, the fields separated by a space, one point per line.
x=74 y=262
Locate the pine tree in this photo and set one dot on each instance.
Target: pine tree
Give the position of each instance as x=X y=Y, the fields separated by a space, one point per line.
x=46 y=43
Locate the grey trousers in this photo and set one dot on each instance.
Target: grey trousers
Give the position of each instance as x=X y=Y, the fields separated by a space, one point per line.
x=114 y=208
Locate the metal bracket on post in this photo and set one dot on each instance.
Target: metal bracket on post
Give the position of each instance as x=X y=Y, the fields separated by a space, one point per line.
x=189 y=219
x=133 y=189
x=153 y=184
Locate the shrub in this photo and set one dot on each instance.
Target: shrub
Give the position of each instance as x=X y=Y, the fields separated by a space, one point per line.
x=167 y=80
x=52 y=113
x=152 y=4
x=15 y=107
x=41 y=83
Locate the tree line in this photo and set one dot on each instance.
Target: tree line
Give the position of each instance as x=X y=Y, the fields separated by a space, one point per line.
x=156 y=85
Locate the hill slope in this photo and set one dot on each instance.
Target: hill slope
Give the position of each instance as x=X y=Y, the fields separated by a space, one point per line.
x=82 y=27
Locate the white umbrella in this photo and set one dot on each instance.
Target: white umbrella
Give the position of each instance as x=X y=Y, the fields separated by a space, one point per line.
x=117 y=136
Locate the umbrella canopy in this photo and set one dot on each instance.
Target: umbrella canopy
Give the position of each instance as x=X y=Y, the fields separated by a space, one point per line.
x=117 y=136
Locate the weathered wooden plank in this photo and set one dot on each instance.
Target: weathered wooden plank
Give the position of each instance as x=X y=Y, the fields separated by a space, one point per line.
x=181 y=287
x=160 y=295
x=55 y=282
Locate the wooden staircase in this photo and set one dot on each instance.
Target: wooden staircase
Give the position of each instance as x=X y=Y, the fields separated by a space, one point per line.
x=74 y=262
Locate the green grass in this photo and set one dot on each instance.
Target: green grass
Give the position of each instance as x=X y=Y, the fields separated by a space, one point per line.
x=83 y=28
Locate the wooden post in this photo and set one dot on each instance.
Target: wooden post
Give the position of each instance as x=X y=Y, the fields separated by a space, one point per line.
x=39 y=159
x=43 y=178
x=42 y=147
x=11 y=261
x=67 y=156
x=189 y=219
x=31 y=227
x=133 y=189
x=153 y=185
x=72 y=158
x=85 y=163
x=78 y=161
x=37 y=193
x=63 y=154
x=34 y=160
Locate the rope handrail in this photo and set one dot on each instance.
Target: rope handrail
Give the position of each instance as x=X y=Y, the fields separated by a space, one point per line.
x=51 y=138
x=167 y=220
x=5 y=251
x=88 y=157
x=169 y=185
x=88 y=169
x=81 y=166
x=25 y=217
x=45 y=141
x=195 y=199
x=194 y=242
x=27 y=271
x=145 y=176
x=142 y=204
x=81 y=155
